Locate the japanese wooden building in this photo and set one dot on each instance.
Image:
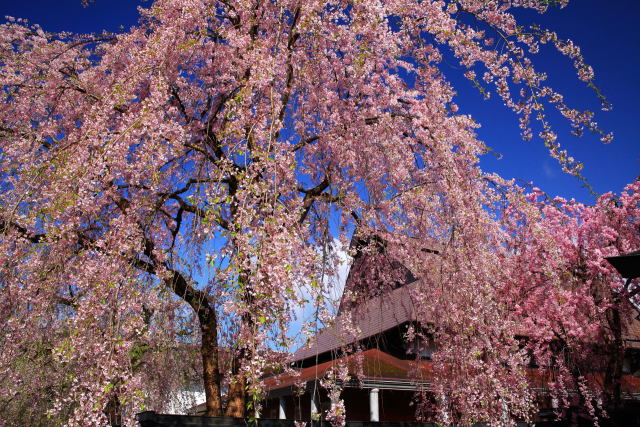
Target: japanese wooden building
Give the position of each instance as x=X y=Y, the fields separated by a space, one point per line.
x=385 y=372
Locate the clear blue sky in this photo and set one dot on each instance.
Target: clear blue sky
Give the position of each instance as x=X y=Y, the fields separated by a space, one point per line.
x=604 y=30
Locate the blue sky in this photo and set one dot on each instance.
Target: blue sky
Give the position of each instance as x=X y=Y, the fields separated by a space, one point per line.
x=604 y=30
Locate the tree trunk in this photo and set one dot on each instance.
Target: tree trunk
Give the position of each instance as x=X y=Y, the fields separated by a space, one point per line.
x=237 y=396
x=236 y=399
x=210 y=367
x=613 y=378
x=208 y=320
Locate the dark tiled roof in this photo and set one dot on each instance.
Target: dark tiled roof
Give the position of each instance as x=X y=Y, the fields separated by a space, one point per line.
x=370 y=318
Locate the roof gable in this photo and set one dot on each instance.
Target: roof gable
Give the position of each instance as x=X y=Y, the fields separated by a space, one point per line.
x=374 y=271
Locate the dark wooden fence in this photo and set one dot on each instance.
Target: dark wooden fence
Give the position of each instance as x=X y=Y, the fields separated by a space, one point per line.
x=628 y=418
x=152 y=419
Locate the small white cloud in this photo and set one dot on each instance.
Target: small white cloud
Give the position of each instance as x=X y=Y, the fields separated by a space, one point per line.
x=333 y=285
x=548 y=170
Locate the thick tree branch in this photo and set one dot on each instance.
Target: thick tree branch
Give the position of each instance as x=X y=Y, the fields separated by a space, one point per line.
x=5 y=226
x=305 y=142
x=310 y=196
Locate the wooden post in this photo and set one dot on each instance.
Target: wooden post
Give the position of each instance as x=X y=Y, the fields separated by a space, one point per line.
x=374 y=409
x=282 y=409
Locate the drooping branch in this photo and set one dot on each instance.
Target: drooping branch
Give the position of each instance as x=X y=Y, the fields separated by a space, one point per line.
x=5 y=226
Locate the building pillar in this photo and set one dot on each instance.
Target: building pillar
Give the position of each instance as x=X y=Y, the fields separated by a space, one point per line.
x=282 y=408
x=445 y=406
x=314 y=406
x=505 y=413
x=374 y=409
